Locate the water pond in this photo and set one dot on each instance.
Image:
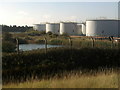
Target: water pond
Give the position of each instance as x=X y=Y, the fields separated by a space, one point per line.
x=27 y=47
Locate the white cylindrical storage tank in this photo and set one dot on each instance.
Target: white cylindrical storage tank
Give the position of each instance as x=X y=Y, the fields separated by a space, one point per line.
x=53 y=27
x=79 y=29
x=102 y=28
x=83 y=29
x=39 y=27
x=118 y=28
x=69 y=28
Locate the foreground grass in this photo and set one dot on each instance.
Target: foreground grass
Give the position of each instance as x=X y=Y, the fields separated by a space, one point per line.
x=100 y=80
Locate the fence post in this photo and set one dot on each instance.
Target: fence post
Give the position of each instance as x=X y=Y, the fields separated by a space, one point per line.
x=111 y=39
x=17 y=45
x=70 y=42
x=45 y=45
x=111 y=43
x=93 y=42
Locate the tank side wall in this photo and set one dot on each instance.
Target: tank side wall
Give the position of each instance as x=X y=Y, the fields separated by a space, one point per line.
x=84 y=29
x=101 y=28
x=54 y=28
x=69 y=28
x=79 y=29
x=40 y=27
x=57 y=28
x=48 y=28
x=119 y=28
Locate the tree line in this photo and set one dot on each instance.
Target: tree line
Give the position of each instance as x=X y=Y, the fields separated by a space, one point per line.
x=14 y=28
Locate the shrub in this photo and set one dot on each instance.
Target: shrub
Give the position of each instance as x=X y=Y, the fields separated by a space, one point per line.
x=65 y=34
x=22 y=41
x=55 y=42
x=34 y=33
x=54 y=35
x=27 y=38
x=40 y=41
x=20 y=66
x=42 y=32
x=8 y=46
x=7 y=36
x=49 y=33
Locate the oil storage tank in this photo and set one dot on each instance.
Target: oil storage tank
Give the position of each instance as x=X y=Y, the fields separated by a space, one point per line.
x=83 y=29
x=53 y=27
x=69 y=28
x=102 y=28
x=118 y=28
x=39 y=27
x=79 y=29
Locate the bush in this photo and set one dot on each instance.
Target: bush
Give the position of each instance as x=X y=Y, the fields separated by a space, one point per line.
x=49 y=33
x=54 y=35
x=22 y=41
x=8 y=46
x=42 y=32
x=65 y=34
x=27 y=38
x=36 y=33
x=26 y=64
x=40 y=41
x=8 y=43
x=7 y=36
x=55 y=42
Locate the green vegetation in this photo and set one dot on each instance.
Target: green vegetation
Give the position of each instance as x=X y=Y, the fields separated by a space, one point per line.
x=8 y=44
x=82 y=56
x=78 y=42
x=22 y=41
x=7 y=37
x=15 y=28
x=18 y=67
x=49 y=33
x=65 y=34
x=35 y=33
x=55 y=42
x=8 y=47
x=39 y=41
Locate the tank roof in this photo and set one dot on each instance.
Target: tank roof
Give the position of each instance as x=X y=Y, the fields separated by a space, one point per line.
x=52 y=23
x=68 y=22
x=81 y=23
x=103 y=20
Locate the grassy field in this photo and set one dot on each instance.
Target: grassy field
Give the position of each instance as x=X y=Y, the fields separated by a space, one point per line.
x=19 y=67
x=46 y=67
x=72 y=80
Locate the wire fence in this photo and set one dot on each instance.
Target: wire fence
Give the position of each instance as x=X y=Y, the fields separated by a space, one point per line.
x=69 y=42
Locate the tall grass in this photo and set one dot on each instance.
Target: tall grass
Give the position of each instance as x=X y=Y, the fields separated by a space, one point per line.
x=102 y=79
x=31 y=64
x=19 y=67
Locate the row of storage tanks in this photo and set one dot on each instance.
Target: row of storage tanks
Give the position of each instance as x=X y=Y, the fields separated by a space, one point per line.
x=71 y=28
x=89 y=28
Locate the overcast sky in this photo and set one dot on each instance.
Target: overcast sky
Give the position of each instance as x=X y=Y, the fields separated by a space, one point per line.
x=29 y=13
